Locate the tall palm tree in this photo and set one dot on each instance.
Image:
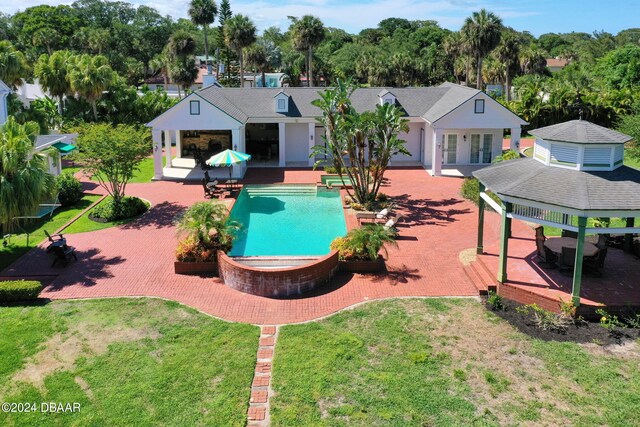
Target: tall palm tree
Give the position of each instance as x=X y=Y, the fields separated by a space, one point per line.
x=203 y=12
x=182 y=66
x=25 y=181
x=239 y=33
x=257 y=57
x=13 y=64
x=52 y=72
x=307 y=33
x=508 y=52
x=481 y=33
x=89 y=77
x=45 y=37
x=533 y=60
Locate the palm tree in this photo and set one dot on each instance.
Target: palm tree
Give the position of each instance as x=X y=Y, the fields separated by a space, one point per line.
x=25 y=181
x=307 y=33
x=183 y=72
x=45 y=37
x=209 y=223
x=181 y=43
x=203 y=12
x=53 y=74
x=89 y=77
x=533 y=60
x=181 y=66
x=508 y=52
x=239 y=33
x=257 y=57
x=13 y=64
x=481 y=33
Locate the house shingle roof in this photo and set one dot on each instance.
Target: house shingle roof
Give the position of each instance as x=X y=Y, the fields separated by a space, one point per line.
x=617 y=190
x=242 y=104
x=581 y=132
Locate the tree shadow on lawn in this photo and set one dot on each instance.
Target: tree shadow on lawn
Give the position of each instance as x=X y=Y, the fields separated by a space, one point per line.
x=428 y=211
x=161 y=215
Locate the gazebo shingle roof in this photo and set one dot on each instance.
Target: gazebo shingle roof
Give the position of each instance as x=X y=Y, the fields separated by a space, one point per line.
x=616 y=190
x=581 y=132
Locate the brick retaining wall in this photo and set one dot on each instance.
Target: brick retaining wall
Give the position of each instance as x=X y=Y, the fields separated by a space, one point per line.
x=277 y=282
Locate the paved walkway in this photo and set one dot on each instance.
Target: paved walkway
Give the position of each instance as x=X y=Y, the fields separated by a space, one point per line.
x=258 y=413
x=136 y=259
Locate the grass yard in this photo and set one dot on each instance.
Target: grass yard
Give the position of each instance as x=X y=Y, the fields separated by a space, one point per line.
x=141 y=362
x=17 y=244
x=445 y=362
x=143 y=174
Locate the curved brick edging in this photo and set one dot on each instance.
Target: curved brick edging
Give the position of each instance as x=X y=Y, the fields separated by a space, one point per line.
x=277 y=282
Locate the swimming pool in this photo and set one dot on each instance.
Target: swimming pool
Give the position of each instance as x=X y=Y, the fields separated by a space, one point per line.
x=287 y=220
x=335 y=180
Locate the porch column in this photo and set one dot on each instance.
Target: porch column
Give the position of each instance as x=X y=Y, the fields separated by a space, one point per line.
x=282 y=159
x=515 y=139
x=237 y=144
x=504 y=242
x=577 y=269
x=312 y=142
x=628 y=238
x=178 y=144
x=479 y=247
x=167 y=147
x=436 y=153
x=157 y=154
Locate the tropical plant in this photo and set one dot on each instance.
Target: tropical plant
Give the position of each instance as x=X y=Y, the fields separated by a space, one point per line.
x=46 y=37
x=52 y=72
x=182 y=66
x=306 y=34
x=239 y=33
x=207 y=228
x=13 y=64
x=203 y=13
x=24 y=178
x=89 y=77
x=508 y=53
x=481 y=34
x=368 y=140
x=69 y=189
x=111 y=154
x=256 y=56
x=364 y=243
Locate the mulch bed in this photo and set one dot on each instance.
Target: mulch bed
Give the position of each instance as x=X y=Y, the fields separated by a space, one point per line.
x=580 y=332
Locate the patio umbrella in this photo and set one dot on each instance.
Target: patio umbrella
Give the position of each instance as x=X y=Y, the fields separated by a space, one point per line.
x=228 y=158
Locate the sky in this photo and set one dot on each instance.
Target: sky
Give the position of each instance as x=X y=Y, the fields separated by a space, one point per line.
x=536 y=16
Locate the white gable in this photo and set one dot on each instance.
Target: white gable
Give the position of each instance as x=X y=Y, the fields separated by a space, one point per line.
x=281 y=101
x=487 y=113
x=194 y=113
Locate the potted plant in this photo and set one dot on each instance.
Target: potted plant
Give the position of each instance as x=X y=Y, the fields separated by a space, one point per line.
x=358 y=251
x=207 y=228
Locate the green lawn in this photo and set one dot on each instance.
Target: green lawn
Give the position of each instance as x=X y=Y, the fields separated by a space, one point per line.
x=444 y=362
x=84 y=224
x=128 y=362
x=143 y=174
x=18 y=243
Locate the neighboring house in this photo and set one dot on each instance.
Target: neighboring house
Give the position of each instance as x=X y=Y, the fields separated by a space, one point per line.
x=203 y=80
x=449 y=125
x=272 y=80
x=29 y=92
x=63 y=143
x=556 y=64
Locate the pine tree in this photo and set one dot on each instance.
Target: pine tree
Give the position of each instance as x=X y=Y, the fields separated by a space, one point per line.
x=223 y=14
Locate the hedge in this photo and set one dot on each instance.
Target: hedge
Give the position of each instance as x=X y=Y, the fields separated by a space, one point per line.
x=19 y=290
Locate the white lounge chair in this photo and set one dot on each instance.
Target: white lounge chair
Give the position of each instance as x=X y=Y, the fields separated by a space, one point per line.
x=391 y=224
x=384 y=214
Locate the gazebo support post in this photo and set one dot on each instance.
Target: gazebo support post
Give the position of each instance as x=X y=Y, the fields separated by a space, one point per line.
x=479 y=247
x=577 y=269
x=504 y=241
x=628 y=238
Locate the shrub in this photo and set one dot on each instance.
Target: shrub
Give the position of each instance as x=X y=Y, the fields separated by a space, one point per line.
x=128 y=207
x=470 y=190
x=191 y=250
x=69 y=189
x=331 y=169
x=546 y=320
x=507 y=155
x=610 y=322
x=495 y=301
x=19 y=290
x=363 y=243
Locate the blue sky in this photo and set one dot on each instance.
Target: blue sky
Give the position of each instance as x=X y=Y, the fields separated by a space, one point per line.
x=535 y=16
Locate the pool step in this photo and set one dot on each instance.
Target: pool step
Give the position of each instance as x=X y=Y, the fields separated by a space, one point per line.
x=280 y=190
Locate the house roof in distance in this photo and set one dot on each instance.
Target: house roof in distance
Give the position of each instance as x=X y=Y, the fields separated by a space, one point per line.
x=580 y=132
x=616 y=190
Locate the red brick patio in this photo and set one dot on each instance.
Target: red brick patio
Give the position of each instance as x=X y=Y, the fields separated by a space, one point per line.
x=618 y=288
x=136 y=259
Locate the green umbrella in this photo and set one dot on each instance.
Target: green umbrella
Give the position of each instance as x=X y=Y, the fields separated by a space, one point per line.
x=228 y=158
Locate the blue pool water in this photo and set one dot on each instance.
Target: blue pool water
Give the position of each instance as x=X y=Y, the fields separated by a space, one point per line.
x=280 y=220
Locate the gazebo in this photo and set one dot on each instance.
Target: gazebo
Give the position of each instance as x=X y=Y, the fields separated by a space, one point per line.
x=576 y=173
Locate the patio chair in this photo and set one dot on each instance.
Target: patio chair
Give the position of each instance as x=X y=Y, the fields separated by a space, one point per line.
x=595 y=264
x=63 y=254
x=208 y=177
x=567 y=233
x=603 y=241
x=546 y=257
x=567 y=259
x=55 y=240
x=211 y=189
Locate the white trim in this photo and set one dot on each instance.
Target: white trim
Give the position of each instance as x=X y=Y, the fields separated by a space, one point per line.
x=495 y=206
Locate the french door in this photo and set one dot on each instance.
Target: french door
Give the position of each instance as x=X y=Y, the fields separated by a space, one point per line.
x=450 y=150
x=481 y=151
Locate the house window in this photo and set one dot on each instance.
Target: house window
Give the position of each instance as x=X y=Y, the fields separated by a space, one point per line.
x=479 y=106
x=194 y=108
x=282 y=104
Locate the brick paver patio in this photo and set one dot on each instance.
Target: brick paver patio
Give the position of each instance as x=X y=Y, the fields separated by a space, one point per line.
x=136 y=259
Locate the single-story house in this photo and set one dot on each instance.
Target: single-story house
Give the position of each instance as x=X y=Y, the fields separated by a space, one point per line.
x=556 y=64
x=449 y=126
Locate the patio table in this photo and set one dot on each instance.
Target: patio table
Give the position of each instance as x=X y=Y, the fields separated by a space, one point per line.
x=555 y=244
